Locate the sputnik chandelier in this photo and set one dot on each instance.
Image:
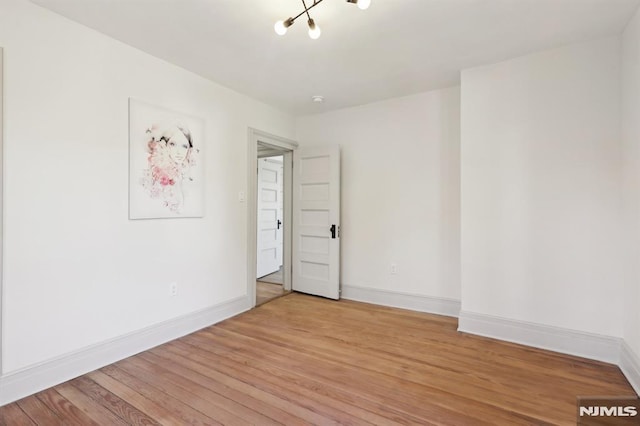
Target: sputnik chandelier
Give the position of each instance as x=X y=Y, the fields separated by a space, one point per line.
x=314 y=29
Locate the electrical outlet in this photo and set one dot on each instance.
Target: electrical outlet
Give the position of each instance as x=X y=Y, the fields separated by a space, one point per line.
x=394 y=269
x=173 y=289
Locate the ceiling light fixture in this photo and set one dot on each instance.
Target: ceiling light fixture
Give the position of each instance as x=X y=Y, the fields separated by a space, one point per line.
x=314 y=30
x=281 y=27
x=362 y=4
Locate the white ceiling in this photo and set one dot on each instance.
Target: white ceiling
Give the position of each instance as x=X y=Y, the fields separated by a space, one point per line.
x=395 y=48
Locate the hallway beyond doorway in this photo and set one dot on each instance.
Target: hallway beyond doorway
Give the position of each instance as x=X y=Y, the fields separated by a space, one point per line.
x=270 y=287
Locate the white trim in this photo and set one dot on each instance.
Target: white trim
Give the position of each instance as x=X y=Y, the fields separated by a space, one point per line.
x=557 y=339
x=252 y=218
x=630 y=365
x=288 y=229
x=285 y=145
x=44 y=375
x=2 y=310
x=414 y=302
x=269 y=153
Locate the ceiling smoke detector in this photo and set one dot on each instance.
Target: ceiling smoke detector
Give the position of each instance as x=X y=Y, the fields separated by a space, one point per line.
x=317 y=99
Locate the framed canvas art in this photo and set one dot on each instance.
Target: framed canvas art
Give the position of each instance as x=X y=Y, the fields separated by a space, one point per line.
x=166 y=170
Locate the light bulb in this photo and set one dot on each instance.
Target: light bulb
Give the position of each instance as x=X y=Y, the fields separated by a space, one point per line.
x=315 y=33
x=364 y=4
x=314 y=30
x=280 y=28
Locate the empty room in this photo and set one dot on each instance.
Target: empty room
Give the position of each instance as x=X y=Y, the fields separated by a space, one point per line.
x=319 y=212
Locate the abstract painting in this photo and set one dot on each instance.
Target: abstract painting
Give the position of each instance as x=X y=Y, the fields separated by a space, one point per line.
x=166 y=170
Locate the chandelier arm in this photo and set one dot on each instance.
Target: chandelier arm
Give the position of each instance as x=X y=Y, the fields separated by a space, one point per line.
x=315 y=3
x=307 y=9
x=299 y=15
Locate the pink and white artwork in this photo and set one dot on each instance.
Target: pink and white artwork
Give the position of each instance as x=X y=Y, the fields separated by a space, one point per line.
x=166 y=174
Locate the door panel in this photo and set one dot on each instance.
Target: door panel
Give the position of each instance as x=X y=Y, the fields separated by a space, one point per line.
x=316 y=208
x=280 y=230
x=270 y=191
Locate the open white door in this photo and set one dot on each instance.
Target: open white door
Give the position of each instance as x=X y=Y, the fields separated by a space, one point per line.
x=281 y=224
x=270 y=190
x=316 y=221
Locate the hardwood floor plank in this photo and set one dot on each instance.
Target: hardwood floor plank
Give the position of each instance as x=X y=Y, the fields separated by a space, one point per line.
x=444 y=379
x=38 y=411
x=64 y=409
x=305 y=360
x=266 y=292
x=12 y=414
x=160 y=413
x=209 y=403
x=89 y=406
x=426 y=403
x=422 y=336
x=416 y=349
x=182 y=410
x=377 y=412
x=240 y=404
x=312 y=406
x=116 y=405
x=274 y=278
x=233 y=388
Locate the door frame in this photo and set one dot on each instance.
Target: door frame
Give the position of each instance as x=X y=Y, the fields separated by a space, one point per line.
x=281 y=146
x=266 y=160
x=2 y=310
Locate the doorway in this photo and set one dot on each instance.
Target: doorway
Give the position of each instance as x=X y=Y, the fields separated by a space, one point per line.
x=269 y=207
x=311 y=242
x=1 y=198
x=270 y=226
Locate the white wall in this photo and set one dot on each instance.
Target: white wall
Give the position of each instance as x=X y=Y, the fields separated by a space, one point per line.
x=541 y=190
x=631 y=147
x=77 y=271
x=541 y=195
x=400 y=191
x=540 y=158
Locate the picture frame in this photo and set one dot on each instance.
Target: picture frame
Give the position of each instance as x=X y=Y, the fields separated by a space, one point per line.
x=166 y=167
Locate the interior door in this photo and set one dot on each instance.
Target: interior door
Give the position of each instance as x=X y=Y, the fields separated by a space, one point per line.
x=316 y=221
x=269 y=244
x=280 y=231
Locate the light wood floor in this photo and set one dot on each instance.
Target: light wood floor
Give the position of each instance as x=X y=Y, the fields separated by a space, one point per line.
x=306 y=360
x=268 y=291
x=276 y=278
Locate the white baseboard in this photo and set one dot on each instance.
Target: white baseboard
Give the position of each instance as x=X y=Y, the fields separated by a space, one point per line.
x=414 y=302
x=30 y=380
x=33 y=379
x=587 y=345
x=630 y=366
